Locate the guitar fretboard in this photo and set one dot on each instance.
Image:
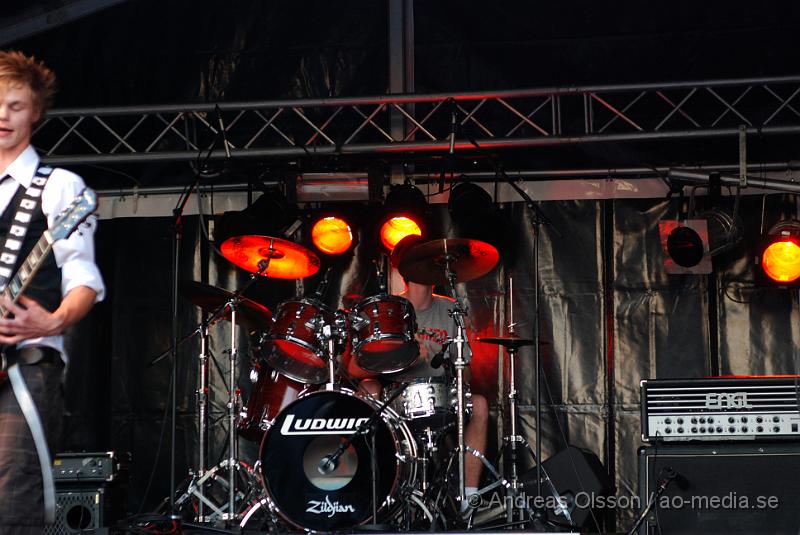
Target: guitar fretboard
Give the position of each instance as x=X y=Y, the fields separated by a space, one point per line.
x=27 y=270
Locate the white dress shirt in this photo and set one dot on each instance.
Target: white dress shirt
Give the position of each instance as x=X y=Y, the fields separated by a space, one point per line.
x=75 y=254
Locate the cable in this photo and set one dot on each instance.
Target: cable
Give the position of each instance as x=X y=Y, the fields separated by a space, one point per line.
x=160 y=442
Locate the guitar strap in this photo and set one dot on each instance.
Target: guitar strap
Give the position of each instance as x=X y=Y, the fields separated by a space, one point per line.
x=27 y=206
x=9 y=254
x=31 y=415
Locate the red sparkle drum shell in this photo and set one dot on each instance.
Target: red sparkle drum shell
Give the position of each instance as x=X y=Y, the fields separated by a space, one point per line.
x=292 y=346
x=309 y=430
x=271 y=392
x=383 y=334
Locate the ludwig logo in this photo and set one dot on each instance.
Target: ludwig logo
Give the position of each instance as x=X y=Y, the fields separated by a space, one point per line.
x=328 y=507
x=732 y=400
x=320 y=426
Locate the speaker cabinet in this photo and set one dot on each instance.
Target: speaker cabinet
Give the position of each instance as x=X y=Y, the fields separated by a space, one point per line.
x=578 y=479
x=721 y=489
x=81 y=510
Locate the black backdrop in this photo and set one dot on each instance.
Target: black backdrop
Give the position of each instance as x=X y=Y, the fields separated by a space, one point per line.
x=610 y=317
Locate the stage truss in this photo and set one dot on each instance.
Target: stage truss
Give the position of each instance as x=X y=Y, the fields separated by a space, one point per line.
x=343 y=127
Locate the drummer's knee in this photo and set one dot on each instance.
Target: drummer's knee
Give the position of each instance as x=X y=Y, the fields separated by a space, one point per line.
x=480 y=410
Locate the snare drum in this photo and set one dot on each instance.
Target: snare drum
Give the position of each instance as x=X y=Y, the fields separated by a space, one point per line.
x=383 y=330
x=295 y=349
x=430 y=402
x=310 y=496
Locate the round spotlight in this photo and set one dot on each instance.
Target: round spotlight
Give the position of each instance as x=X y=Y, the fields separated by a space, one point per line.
x=397 y=228
x=781 y=257
x=332 y=235
x=685 y=246
x=404 y=214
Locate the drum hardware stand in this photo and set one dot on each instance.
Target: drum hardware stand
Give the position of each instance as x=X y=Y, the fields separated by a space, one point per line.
x=329 y=463
x=195 y=486
x=537 y=219
x=460 y=365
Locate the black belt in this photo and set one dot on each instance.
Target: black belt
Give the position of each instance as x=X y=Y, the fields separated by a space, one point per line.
x=38 y=355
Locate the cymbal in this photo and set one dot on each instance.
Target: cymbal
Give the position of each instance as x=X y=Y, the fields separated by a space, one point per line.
x=253 y=316
x=425 y=263
x=287 y=260
x=512 y=341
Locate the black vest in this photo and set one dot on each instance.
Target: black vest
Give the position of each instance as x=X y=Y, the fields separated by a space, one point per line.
x=45 y=287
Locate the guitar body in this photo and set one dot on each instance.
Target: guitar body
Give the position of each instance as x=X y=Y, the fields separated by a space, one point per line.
x=65 y=224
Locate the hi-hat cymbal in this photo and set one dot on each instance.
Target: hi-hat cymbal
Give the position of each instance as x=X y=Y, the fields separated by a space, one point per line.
x=253 y=316
x=512 y=341
x=426 y=263
x=287 y=260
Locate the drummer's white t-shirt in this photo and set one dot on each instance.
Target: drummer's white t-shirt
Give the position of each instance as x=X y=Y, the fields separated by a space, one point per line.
x=435 y=326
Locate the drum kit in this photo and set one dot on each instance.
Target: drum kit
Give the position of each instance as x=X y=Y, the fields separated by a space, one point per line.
x=332 y=457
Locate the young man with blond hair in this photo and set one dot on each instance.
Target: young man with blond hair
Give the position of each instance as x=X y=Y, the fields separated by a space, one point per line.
x=59 y=295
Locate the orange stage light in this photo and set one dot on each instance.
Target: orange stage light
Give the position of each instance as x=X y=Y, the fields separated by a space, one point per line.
x=781 y=260
x=332 y=235
x=397 y=228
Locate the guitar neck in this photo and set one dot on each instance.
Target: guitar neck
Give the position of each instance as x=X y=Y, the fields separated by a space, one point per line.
x=27 y=270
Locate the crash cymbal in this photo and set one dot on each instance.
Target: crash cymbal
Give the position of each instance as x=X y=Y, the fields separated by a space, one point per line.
x=425 y=263
x=512 y=341
x=287 y=260
x=253 y=316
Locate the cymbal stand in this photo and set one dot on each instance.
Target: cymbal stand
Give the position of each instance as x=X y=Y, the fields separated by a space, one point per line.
x=233 y=391
x=202 y=413
x=460 y=365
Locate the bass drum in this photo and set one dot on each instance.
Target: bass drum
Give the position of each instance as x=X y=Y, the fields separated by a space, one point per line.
x=310 y=494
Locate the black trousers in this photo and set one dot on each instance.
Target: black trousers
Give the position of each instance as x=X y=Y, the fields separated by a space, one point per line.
x=21 y=494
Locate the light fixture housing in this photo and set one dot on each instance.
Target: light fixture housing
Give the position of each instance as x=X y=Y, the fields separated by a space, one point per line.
x=405 y=211
x=332 y=234
x=779 y=257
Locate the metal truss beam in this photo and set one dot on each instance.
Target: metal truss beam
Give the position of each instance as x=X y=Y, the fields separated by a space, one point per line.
x=337 y=127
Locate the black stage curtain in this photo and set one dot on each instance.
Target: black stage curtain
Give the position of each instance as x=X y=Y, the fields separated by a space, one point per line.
x=610 y=317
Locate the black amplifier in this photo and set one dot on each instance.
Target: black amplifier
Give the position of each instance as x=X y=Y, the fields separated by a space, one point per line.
x=99 y=467
x=721 y=409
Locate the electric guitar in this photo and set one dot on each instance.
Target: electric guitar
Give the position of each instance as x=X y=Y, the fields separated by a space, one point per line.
x=67 y=222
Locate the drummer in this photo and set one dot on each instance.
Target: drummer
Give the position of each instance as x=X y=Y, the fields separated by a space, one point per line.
x=435 y=327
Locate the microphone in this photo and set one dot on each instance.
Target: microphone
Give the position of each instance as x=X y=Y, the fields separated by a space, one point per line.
x=323 y=285
x=438 y=358
x=680 y=479
x=327 y=465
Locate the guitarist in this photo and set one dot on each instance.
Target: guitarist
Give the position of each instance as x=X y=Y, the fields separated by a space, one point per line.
x=61 y=293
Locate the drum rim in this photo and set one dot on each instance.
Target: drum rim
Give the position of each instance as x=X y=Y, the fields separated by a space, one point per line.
x=407 y=438
x=305 y=300
x=382 y=297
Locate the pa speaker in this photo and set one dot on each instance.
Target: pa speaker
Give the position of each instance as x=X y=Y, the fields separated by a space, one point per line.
x=578 y=478
x=721 y=489
x=80 y=511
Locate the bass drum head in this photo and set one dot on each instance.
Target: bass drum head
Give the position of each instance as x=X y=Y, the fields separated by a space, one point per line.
x=293 y=461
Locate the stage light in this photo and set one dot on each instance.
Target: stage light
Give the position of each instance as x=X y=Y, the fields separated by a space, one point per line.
x=332 y=235
x=689 y=245
x=404 y=213
x=780 y=256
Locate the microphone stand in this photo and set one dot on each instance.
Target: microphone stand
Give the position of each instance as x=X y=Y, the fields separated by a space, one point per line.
x=329 y=462
x=668 y=475
x=537 y=220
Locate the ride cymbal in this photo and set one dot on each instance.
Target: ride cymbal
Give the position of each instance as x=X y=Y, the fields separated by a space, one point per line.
x=287 y=260
x=427 y=263
x=512 y=341
x=253 y=316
